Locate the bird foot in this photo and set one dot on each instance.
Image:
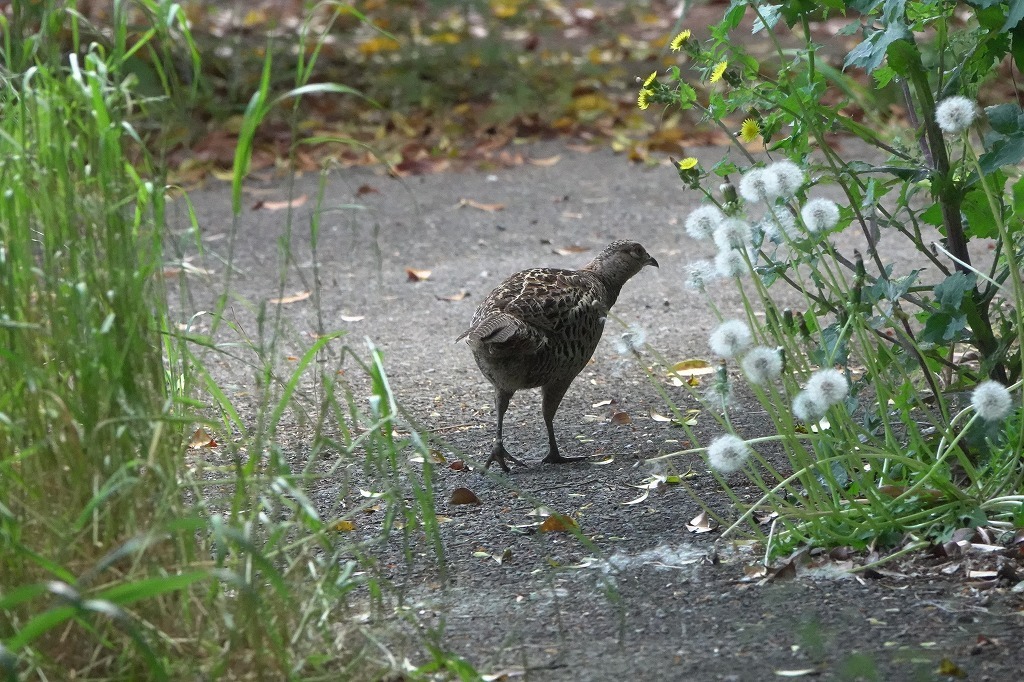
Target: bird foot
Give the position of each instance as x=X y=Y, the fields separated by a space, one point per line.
x=499 y=454
x=555 y=457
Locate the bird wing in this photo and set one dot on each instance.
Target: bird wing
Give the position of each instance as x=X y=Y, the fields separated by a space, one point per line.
x=526 y=307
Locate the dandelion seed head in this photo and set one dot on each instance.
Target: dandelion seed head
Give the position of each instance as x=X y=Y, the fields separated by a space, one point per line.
x=820 y=214
x=631 y=340
x=806 y=409
x=992 y=401
x=762 y=365
x=779 y=225
x=827 y=387
x=703 y=221
x=730 y=263
x=733 y=233
x=788 y=176
x=730 y=339
x=759 y=185
x=955 y=114
x=699 y=274
x=728 y=453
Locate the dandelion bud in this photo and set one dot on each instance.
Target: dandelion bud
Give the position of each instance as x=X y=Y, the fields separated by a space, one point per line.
x=728 y=191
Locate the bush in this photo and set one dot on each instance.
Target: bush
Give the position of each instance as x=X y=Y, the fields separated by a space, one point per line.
x=898 y=409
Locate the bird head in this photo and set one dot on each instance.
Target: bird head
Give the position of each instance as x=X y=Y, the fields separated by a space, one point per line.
x=620 y=260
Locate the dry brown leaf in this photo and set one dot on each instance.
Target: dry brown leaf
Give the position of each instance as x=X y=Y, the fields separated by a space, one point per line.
x=201 y=439
x=490 y=208
x=464 y=496
x=366 y=189
x=415 y=275
x=545 y=162
x=558 y=523
x=294 y=202
x=570 y=250
x=458 y=465
x=454 y=297
x=701 y=523
x=344 y=526
x=294 y=298
x=621 y=418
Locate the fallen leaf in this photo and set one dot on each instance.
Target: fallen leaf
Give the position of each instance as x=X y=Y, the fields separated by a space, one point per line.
x=344 y=526
x=640 y=499
x=490 y=208
x=692 y=368
x=278 y=205
x=951 y=669
x=570 y=250
x=454 y=297
x=415 y=275
x=603 y=403
x=366 y=189
x=352 y=318
x=558 y=523
x=803 y=672
x=201 y=439
x=294 y=298
x=458 y=465
x=621 y=418
x=464 y=496
x=545 y=162
x=701 y=523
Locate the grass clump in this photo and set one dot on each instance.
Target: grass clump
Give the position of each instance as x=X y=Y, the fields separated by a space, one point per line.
x=124 y=552
x=894 y=389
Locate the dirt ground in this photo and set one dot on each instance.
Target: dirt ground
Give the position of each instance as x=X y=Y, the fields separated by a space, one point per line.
x=639 y=598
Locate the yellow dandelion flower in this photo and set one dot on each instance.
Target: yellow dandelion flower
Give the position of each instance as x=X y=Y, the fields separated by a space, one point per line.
x=650 y=79
x=687 y=163
x=643 y=100
x=678 y=41
x=716 y=73
x=749 y=131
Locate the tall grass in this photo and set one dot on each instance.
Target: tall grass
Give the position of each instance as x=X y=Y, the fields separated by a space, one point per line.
x=123 y=555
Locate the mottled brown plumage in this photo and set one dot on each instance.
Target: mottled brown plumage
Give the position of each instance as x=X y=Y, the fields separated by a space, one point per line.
x=540 y=327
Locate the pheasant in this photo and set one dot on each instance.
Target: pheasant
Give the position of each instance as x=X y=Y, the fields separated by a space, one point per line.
x=540 y=327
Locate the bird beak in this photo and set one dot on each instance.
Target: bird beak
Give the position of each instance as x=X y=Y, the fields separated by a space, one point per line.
x=651 y=261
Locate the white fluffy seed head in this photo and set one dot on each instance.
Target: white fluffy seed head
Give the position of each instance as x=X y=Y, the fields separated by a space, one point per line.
x=728 y=453
x=762 y=365
x=778 y=226
x=806 y=409
x=699 y=274
x=631 y=340
x=789 y=177
x=992 y=401
x=820 y=214
x=731 y=338
x=759 y=185
x=730 y=263
x=827 y=387
x=955 y=114
x=703 y=221
x=733 y=233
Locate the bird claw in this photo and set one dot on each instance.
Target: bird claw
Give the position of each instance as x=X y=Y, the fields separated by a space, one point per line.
x=557 y=458
x=499 y=454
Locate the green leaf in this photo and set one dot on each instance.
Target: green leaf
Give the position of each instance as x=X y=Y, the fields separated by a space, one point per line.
x=1007 y=151
x=770 y=13
x=980 y=222
x=1013 y=16
x=932 y=215
x=949 y=293
x=1006 y=119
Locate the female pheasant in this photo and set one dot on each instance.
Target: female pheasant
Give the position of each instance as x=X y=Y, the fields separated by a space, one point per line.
x=540 y=327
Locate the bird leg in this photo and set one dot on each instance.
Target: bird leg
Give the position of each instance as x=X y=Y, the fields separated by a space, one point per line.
x=551 y=398
x=498 y=453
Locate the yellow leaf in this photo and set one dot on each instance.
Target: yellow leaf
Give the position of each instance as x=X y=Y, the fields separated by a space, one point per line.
x=294 y=298
x=694 y=367
x=344 y=526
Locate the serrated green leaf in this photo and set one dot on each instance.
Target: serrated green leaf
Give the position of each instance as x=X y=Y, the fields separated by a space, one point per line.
x=949 y=293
